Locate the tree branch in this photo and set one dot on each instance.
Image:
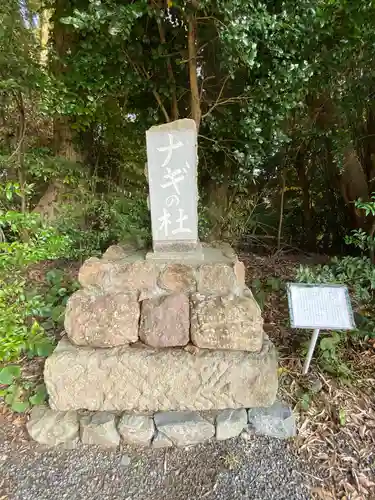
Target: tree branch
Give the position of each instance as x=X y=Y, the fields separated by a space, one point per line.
x=141 y=70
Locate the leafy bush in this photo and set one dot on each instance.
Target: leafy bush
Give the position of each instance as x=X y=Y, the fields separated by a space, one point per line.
x=19 y=307
x=17 y=393
x=102 y=221
x=358 y=273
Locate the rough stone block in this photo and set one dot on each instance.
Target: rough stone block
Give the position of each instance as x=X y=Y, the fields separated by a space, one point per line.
x=102 y=320
x=276 y=421
x=161 y=441
x=216 y=279
x=226 y=323
x=136 y=429
x=130 y=274
x=184 y=428
x=118 y=252
x=100 y=429
x=138 y=378
x=177 y=278
x=53 y=428
x=165 y=321
x=230 y=423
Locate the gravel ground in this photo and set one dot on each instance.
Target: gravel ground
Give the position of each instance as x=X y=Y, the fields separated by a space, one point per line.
x=256 y=469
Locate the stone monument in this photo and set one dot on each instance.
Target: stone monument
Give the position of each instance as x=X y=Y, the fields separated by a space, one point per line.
x=153 y=338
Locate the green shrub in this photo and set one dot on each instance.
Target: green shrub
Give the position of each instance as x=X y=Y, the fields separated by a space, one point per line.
x=358 y=273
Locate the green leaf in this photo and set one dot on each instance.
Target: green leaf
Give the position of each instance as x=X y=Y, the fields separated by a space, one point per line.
x=305 y=401
x=342 y=416
x=9 y=373
x=44 y=349
x=40 y=395
x=327 y=344
x=20 y=406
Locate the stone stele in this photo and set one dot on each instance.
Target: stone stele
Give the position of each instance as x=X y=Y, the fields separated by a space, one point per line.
x=138 y=378
x=172 y=176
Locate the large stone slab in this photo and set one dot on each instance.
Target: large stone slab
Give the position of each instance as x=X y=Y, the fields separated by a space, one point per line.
x=138 y=378
x=226 y=323
x=165 y=321
x=102 y=320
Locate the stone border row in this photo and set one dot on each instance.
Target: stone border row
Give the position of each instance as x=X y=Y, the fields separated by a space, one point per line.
x=150 y=279
x=161 y=430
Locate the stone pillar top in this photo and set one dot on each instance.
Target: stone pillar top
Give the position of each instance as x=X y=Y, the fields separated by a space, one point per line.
x=172 y=176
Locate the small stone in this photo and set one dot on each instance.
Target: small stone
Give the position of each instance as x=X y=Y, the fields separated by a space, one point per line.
x=230 y=423
x=136 y=429
x=53 y=428
x=165 y=321
x=276 y=421
x=216 y=279
x=184 y=428
x=177 y=278
x=100 y=429
x=125 y=460
x=245 y=435
x=233 y=323
x=102 y=320
x=161 y=441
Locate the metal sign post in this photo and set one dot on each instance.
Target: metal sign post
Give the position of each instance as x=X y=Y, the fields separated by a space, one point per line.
x=319 y=307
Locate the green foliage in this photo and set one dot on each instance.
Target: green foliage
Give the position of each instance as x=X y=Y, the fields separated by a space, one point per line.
x=358 y=273
x=28 y=241
x=360 y=238
x=261 y=289
x=96 y=222
x=18 y=393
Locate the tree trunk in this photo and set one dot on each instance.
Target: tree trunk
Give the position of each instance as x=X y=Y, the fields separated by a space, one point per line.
x=196 y=112
x=63 y=137
x=306 y=201
x=354 y=186
x=44 y=33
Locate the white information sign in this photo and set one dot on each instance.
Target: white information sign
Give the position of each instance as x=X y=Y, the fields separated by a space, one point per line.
x=320 y=306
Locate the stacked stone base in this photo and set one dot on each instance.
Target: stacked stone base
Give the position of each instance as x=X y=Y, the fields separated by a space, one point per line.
x=148 y=336
x=161 y=430
x=140 y=378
